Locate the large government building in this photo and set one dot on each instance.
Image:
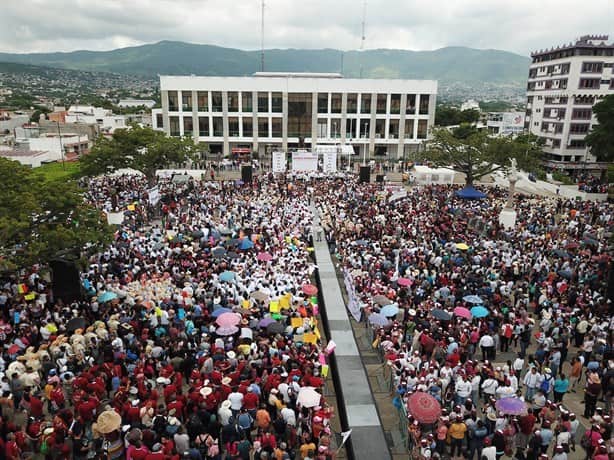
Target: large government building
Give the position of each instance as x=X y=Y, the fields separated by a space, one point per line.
x=285 y=111
x=564 y=83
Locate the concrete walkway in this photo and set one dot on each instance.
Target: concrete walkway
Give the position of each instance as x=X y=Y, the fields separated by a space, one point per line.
x=354 y=392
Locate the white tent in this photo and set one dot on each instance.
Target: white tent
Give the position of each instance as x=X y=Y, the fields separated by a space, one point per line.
x=423 y=175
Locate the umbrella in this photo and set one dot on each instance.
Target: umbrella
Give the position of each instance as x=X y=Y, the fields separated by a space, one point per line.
x=108 y=421
x=362 y=242
x=218 y=252
x=75 y=323
x=107 y=296
x=197 y=234
x=264 y=322
x=227 y=330
x=572 y=245
x=389 y=310
x=220 y=311
x=308 y=397
x=404 y=282
x=228 y=319
x=561 y=253
x=378 y=319
x=479 y=312
x=259 y=295
x=565 y=273
x=309 y=289
x=227 y=276
x=246 y=243
x=381 y=300
x=590 y=241
x=511 y=406
x=462 y=312
x=14 y=349
x=247 y=333
x=462 y=246
x=233 y=255
x=275 y=328
x=265 y=257
x=441 y=315
x=424 y=407
x=473 y=299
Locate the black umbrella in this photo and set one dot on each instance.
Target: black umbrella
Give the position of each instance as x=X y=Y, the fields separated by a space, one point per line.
x=441 y=315
x=233 y=255
x=197 y=234
x=275 y=328
x=561 y=253
x=218 y=252
x=75 y=323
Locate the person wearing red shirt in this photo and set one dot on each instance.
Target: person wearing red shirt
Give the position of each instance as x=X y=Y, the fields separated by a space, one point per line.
x=137 y=451
x=250 y=401
x=57 y=396
x=156 y=453
x=87 y=408
x=36 y=407
x=12 y=450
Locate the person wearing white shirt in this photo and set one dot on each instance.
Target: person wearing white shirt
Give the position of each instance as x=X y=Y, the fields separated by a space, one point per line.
x=236 y=401
x=531 y=381
x=462 y=390
x=487 y=345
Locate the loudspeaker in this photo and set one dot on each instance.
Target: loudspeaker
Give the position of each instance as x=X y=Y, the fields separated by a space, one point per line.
x=65 y=280
x=379 y=178
x=246 y=174
x=365 y=174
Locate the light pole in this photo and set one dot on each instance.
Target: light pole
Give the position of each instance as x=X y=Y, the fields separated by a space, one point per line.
x=61 y=145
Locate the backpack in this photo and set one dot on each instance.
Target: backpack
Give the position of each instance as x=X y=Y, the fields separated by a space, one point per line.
x=545 y=386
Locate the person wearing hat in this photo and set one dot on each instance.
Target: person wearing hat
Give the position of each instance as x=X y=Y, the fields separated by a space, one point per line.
x=457 y=432
x=592 y=390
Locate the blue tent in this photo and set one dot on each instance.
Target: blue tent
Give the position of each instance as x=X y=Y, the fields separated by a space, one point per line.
x=469 y=193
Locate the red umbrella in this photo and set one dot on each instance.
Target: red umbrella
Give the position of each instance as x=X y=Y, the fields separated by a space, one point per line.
x=265 y=257
x=424 y=407
x=462 y=312
x=404 y=282
x=310 y=289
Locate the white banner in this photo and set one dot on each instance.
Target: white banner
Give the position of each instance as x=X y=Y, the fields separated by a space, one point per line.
x=303 y=160
x=154 y=195
x=115 y=218
x=353 y=303
x=279 y=162
x=330 y=161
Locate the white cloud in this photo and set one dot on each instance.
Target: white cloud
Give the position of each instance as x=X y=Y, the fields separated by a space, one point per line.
x=520 y=26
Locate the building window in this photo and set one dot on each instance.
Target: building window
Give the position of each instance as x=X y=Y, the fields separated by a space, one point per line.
x=174 y=126
x=246 y=103
x=186 y=101
x=203 y=101
x=410 y=105
x=216 y=101
x=409 y=129
x=263 y=103
x=233 y=126
x=579 y=128
x=577 y=144
x=276 y=127
x=380 y=129
x=263 y=125
x=565 y=69
x=584 y=100
x=276 y=103
x=233 y=101
x=248 y=126
x=393 y=129
x=592 y=67
x=365 y=103
x=422 y=128
x=381 y=103
x=365 y=129
x=581 y=114
x=299 y=114
x=322 y=128
x=173 y=101
x=424 y=104
x=350 y=128
x=589 y=83
x=322 y=102
x=352 y=103
x=188 y=126
x=159 y=120
x=218 y=126
x=203 y=126
x=335 y=103
x=335 y=128
x=395 y=104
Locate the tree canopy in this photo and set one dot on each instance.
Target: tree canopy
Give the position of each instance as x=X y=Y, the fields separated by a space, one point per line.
x=601 y=137
x=449 y=116
x=137 y=147
x=476 y=154
x=39 y=218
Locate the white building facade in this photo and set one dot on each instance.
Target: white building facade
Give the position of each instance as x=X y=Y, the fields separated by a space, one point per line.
x=564 y=83
x=505 y=123
x=284 y=111
x=104 y=118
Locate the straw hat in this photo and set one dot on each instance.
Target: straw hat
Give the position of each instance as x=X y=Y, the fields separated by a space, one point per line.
x=206 y=391
x=226 y=381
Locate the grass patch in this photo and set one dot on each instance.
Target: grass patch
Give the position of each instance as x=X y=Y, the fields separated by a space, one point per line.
x=57 y=171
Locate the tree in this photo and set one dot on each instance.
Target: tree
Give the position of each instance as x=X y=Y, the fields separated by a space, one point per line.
x=450 y=116
x=601 y=137
x=40 y=218
x=475 y=155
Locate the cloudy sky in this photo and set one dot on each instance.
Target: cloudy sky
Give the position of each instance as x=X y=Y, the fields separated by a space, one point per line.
x=519 y=26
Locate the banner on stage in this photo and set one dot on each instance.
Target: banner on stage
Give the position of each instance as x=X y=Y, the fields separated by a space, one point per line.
x=279 y=162
x=330 y=161
x=304 y=160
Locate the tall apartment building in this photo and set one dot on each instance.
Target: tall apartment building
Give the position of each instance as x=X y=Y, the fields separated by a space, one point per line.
x=564 y=83
x=282 y=111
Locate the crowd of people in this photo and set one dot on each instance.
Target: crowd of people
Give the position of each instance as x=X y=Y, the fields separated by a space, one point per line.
x=197 y=336
x=591 y=184
x=477 y=313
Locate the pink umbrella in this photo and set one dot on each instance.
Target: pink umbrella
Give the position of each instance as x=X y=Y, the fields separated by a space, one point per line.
x=310 y=289
x=227 y=330
x=462 y=312
x=228 y=319
x=404 y=282
x=265 y=257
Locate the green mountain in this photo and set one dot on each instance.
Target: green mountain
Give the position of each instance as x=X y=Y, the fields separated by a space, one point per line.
x=448 y=65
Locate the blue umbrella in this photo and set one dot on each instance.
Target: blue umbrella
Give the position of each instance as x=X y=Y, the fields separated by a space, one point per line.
x=566 y=273
x=473 y=299
x=246 y=243
x=378 y=320
x=219 y=311
x=362 y=242
x=389 y=310
x=107 y=296
x=264 y=322
x=227 y=276
x=479 y=312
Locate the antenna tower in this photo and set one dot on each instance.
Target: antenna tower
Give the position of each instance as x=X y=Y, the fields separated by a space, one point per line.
x=363 y=37
x=262 y=37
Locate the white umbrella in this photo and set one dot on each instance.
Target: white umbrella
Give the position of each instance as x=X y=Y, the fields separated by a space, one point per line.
x=308 y=397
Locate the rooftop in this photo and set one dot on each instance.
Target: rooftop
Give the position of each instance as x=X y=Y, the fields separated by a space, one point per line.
x=298 y=74
x=585 y=41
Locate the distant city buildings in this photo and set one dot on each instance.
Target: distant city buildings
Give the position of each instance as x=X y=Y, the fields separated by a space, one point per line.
x=148 y=103
x=45 y=148
x=104 y=118
x=563 y=85
x=285 y=111
x=470 y=105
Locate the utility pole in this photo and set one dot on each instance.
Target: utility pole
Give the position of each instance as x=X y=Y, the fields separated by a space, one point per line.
x=262 y=38
x=61 y=145
x=362 y=36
